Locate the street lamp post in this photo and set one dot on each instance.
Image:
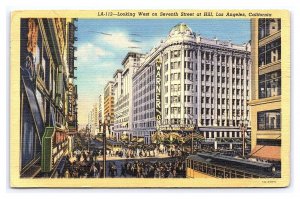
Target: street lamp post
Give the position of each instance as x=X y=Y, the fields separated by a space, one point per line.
x=106 y=123
x=88 y=132
x=192 y=149
x=100 y=124
x=243 y=128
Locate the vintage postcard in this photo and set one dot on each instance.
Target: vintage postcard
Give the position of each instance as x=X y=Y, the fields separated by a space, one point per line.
x=150 y=98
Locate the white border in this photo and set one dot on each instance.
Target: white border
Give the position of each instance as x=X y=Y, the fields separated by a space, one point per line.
x=6 y=6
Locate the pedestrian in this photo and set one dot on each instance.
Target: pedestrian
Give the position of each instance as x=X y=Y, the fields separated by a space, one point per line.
x=123 y=171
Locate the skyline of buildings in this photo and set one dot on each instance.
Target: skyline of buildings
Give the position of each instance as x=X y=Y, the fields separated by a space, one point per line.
x=99 y=56
x=203 y=82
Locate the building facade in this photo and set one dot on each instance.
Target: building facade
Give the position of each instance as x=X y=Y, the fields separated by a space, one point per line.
x=109 y=105
x=93 y=120
x=123 y=95
x=48 y=95
x=189 y=82
x=101 y=108
x=266 y=93
x=144 y=82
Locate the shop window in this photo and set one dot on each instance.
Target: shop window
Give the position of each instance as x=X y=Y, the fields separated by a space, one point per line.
x=270 y=84
x=268 y=120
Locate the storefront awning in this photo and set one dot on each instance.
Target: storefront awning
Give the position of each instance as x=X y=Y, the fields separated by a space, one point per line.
x=267 y=152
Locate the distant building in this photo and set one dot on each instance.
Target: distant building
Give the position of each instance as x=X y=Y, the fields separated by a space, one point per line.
x=123 y=94
x=266 y=89
x=109 y=104
x=189 y=82
x=95 y=120
x=101 y=107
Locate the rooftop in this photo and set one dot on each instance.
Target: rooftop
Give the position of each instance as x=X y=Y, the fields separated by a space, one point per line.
x=181 y=29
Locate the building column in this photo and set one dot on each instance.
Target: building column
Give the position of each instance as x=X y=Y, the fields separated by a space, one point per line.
x=215 y=93
x=182 y=80
x=199 y=102
x=215 y=144
x=230 y=89
x=226 y=116
x=204 y=59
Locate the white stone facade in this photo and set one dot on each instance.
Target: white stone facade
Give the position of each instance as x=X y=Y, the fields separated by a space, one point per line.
x=123 y=94
x=204 y=82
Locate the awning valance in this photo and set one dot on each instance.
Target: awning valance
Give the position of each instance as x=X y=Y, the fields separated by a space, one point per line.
x=272 y=153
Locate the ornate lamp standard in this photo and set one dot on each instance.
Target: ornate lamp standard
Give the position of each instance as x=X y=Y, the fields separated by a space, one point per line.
x=106 y=123
x=88 y=131
x=243 y=128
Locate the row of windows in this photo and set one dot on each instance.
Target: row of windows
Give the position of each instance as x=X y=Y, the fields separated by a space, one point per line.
x=141 y=99
x=207 y=78
x=269 y=53
x=234 y=71
x=220 y=134
x=140 y=108
x=189 y=99
x=208 y=100
x=268 y=27
x=120 y=100
x=217 y=171
x=235 y=112
x=144 y=84
x=205 y=89
x=144 y=124
x=174 y=65
x=143 y=116
x=207 y=111
x=208 y=67
x=268 y=120
x=270 y=84
x=179 y=121
x=208 y=122
x=176 y=110
x=205 y=55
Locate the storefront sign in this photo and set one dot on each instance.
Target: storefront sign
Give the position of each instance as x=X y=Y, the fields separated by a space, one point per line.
x=70 y=103
x=158 y=65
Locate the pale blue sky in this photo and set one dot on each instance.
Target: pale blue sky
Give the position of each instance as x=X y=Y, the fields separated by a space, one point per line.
x=102 y=45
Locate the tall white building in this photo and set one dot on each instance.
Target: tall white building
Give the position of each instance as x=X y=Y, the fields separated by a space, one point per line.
x=123 y=94
x=188 y=81
x=93 y=120
x=101 y=108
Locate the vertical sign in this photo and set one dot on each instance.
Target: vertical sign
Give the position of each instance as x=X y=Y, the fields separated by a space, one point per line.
x=71 y=49
x=158 y=65
x=70 y=103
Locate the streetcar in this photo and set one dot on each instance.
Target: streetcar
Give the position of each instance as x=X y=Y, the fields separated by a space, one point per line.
x=216 y=165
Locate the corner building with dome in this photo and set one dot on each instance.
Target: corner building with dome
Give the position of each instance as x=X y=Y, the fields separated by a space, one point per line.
x=189 y=83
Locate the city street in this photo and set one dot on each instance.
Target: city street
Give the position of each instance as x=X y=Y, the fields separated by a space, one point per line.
x=142 y=114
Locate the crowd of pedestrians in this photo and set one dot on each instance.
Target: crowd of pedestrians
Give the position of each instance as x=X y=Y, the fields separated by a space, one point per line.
x=87 y=164
x=81 y=165
x=154 y=169
x=142 y=152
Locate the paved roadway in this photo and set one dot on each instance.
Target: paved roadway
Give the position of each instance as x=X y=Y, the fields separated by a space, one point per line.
x=119 y=160
x=119 y=163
